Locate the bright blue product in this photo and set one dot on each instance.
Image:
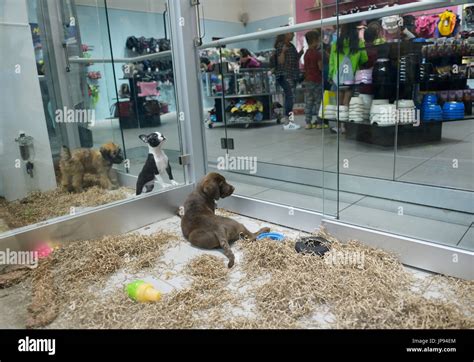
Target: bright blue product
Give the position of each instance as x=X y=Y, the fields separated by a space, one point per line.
x=258 y=117
x=273 y=236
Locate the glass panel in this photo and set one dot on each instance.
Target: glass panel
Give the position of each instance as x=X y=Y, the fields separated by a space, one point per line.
x=384 y=168
x=142 y=94
x=269 y=154
x=422 y=187
x=63 y=88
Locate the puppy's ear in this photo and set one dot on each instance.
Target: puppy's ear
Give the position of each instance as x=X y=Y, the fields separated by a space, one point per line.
x=144 y=138
x=105 y=152
x=211 y=189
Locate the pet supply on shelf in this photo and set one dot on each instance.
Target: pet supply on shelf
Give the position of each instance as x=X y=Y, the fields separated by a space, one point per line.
x=358 y=110
x=430 y=110
x=453 y=110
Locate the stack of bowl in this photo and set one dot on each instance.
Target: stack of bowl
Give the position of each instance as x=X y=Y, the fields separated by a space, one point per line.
x=343 y=113
x=430 y=110
x=453 y=110
x=330 y=112
x=406 y=111
x=382 y=113
x=358 y=110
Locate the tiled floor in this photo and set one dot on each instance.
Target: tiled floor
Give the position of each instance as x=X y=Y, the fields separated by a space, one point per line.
x=430 y=164
x=417 y=221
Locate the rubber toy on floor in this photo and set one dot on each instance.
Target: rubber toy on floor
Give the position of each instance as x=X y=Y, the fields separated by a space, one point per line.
x=141 y=291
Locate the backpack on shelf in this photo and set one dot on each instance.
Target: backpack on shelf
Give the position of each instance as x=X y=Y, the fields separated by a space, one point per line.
x=447 y=23
x=426 y=26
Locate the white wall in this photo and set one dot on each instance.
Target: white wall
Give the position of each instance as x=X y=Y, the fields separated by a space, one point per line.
x=21 y=106
x=224 y=10
x=263 y=9
x=134 y=5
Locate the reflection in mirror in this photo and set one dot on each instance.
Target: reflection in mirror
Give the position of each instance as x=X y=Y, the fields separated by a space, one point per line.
x=412 y=156
x=75 y=107
x=269 y=139
x=144 y=98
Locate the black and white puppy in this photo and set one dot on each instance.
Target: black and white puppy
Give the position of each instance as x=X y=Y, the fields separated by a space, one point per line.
x=156 y=164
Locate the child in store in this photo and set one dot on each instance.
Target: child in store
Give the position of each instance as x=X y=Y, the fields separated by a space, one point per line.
x=313 y=88
x=286 y=69
x=247 y=60
x=347 y=55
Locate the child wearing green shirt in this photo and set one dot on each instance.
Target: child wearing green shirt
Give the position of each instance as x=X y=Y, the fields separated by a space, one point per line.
x=347 y=55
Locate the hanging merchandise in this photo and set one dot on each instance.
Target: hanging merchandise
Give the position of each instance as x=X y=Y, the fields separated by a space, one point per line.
x=132 y=43
x=447 y=23
x=425 y=26
x=124 y=91
x=94 y=75
x=469 y=15
x=391 y=23
x=148 y=89
x=93 y=92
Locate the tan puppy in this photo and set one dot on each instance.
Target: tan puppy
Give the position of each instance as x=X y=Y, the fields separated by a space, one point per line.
x=74 y=164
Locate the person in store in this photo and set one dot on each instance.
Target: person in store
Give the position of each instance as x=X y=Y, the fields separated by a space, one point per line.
x=348 y=54
x=286 y=67
x=206 y=65
x=247 y=60
x=313 y=88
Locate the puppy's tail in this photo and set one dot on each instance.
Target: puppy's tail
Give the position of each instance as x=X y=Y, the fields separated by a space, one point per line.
x=65 y=153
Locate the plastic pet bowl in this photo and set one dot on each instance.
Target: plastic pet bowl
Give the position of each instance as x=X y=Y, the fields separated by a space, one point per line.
x=453 y=106
x=272 y=236
x=312 y=245
x=430 y=99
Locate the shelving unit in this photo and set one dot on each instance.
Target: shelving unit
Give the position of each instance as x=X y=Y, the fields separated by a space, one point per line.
x=254 y=80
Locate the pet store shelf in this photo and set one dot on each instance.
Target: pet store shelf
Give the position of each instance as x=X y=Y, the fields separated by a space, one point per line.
x=343 y=19
x=140 y=58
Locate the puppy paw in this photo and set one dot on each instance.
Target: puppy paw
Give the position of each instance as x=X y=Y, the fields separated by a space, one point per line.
x=174 y=183
x=264 y=230
x=231 y=263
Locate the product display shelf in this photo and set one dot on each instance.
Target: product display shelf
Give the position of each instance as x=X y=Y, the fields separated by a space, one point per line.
x=138 y=118
x=407 y=134
x=257 y=81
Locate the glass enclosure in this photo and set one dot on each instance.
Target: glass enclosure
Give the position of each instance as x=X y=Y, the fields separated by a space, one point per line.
x=84 y=80
x=368 y=121
x=363 y=116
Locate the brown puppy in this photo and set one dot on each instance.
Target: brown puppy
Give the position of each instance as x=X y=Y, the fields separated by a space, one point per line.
x=75 y=164
x=202 y=227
